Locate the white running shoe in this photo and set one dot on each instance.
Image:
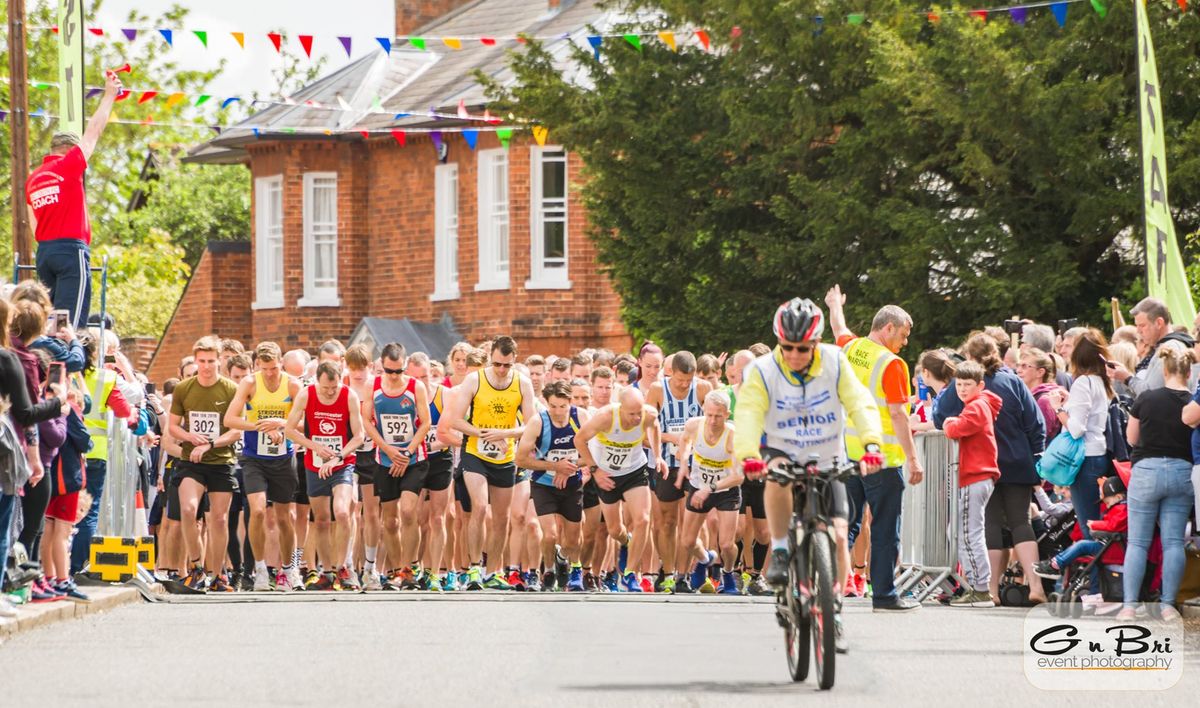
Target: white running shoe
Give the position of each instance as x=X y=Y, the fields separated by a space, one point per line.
x=262 y=581
x=295 y=582
x=371 y=581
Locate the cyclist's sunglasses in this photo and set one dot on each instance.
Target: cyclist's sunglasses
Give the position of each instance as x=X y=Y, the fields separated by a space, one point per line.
x=798 y=348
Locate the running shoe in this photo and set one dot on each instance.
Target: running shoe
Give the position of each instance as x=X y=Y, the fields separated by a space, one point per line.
x=450 y=582
x=515 y=580
x=371 y=581
x=728 y=584
x=708 y=588
x=575 y=583
x=851 y=586
x=631 y=583
x=282 y=582
x=295 y=578
x=348 y=579
x=743 y=579
x=860 y=584
x=221 y=584
x=840 y=645
x=700 y=571
x=474 y=578
x=532 y=582
x=262 y=580
x=658 y=580
x=562 y=569
x=623 y=554
x=405 y=579
x=647 y=586
x=195 y=580
x=327 y=581
x=777 y=572
x=550 y=581
x=668 y=584
x=432 y=582
x=496 y=581
x=71 y=591
x=1047 y=569
x=758 y=586
x=612 y=583
x=40 y=591
x=590 y=583
x=682 y=586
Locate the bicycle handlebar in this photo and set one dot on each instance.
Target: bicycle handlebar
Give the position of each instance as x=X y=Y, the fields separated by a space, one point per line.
x=790 y=471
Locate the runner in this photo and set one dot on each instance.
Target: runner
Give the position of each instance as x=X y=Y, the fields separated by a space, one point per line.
x=752 y=524
x=713 y=484
x=649 y=366
x=677 y=399
x=581 y=366
x=537 y=374
x=524 y=533
x=398 y=424
x=548 y=447
x=611 y=444
x=560 y=370
x=295 y=362
x=362 y=379
x=206 y=444
x=439 y=477
x=602 y=381
x=486 y=414
x=331 y=414
x=800 y=398
x=260 y=408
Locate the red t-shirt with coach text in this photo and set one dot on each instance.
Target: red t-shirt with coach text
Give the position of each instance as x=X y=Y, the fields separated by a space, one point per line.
x=55 y=191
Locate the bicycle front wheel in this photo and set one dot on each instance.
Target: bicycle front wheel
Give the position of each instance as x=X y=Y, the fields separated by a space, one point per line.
x=821 y=608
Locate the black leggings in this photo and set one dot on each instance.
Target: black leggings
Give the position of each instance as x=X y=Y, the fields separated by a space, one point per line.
x=240 y=555
x=1008 y=509
x=33 y=510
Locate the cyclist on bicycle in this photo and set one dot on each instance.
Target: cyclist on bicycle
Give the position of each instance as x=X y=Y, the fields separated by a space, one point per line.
x=796 y=399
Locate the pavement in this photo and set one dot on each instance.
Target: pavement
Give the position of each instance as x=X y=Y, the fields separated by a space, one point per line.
x=399 y=649
x=33 y=615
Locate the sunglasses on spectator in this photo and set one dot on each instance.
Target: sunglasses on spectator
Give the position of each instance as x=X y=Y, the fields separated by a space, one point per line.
x=798 y=348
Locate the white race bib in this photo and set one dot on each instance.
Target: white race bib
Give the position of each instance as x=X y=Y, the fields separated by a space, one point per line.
x=556 y=455
x=614 y=459
x=266 y=448
x=431 y=438
x=206 y=423
x=676 y=429
x=491 y=450
x=397 y=429
x=333 y=442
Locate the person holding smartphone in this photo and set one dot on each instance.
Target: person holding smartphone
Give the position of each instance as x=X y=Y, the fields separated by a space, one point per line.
x=57 y=337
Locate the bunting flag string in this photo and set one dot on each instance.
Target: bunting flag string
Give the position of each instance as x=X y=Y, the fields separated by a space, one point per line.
x=671 y=39
x=470 y=133
x=174 y=98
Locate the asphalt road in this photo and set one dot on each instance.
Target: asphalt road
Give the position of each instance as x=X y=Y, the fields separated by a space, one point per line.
x=498 y=650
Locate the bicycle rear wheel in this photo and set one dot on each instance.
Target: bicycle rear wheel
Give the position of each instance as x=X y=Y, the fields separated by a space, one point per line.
x=797 y=630
x=821 y=608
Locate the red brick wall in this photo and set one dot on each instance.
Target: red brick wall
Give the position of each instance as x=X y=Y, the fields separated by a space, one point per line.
x=413 y=14
x=139 y=350
x=216 y=301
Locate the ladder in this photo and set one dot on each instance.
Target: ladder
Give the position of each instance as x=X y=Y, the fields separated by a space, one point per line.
x=102 y=269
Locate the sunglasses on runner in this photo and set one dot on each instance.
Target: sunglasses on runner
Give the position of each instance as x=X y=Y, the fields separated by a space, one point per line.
x=801 y=348
x=392 y=371
x=498 y=365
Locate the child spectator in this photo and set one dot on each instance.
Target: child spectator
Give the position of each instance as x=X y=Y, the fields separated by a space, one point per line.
x=978 y=470
x=68 y=476
x=1116 y=520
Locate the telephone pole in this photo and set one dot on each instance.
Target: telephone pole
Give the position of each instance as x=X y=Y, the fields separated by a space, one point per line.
x=19 y=127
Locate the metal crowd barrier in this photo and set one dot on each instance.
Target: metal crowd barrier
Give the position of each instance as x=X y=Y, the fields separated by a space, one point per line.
x=928 y=524
x=118 y=501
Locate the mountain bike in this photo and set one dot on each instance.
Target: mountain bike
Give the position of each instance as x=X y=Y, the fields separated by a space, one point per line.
x=805 y=607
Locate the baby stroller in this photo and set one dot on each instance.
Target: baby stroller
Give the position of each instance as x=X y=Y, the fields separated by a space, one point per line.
x=1077 y=579
x=1054 y=535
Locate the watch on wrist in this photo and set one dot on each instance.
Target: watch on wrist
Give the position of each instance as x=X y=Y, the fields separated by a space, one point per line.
x=872 y=447
x=1060 y=410
x=712 y=488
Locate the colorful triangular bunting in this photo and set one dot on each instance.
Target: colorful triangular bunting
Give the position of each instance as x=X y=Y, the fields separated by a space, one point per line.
x=240 y=38
x=1060 y=13
x=345 y=45
x=202 y=36
x=540 y=133
x=471 y=137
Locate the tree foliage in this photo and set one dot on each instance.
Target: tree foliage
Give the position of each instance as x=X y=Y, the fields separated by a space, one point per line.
x=966 y=170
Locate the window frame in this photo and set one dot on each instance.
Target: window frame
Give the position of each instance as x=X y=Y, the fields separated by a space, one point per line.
x=541 y=277
x=491 y=277
x=314 y=296
x=446 y=275
x=266 y=297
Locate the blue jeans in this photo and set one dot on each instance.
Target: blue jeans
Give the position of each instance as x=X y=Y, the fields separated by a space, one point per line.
x=1079 y=548
x=1085 y=492
x=8 y=502
x=1160 y=490
x=884 y=492
x=86 y=527
x=64 y=266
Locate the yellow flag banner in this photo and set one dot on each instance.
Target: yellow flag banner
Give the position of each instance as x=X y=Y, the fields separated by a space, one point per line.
x=1166 y=278
x=70 y=66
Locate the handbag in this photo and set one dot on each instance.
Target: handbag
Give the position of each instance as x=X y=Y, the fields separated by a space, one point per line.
x=1062 y=460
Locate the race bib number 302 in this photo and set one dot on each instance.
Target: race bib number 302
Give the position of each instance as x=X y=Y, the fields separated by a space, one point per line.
x=206 y=423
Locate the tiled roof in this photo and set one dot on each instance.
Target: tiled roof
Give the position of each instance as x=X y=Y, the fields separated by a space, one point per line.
x=411 y=80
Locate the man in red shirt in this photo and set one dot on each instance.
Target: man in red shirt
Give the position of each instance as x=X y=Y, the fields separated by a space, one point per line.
x=57 y=206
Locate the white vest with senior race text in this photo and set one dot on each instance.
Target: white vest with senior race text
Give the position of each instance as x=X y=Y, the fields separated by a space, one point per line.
x=805 y=418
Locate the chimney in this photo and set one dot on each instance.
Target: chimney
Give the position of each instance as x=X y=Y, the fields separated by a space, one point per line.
x=411 y=15
x=553 y=4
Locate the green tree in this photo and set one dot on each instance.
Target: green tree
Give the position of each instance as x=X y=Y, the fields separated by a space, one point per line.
x=965 y=170
x=147 y=279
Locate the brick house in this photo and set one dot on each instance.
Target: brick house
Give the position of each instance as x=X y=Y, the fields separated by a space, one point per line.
x=479 y=241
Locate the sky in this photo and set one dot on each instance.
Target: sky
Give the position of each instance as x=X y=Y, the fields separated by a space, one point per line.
x=249 y=69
